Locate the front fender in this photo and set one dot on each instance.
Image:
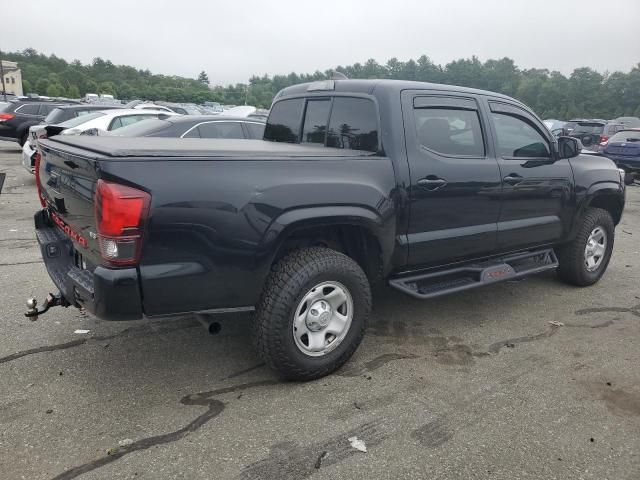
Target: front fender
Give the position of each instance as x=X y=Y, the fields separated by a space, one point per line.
x=596 y=194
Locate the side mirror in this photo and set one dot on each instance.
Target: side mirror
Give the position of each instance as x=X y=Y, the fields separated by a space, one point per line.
x=569 y=147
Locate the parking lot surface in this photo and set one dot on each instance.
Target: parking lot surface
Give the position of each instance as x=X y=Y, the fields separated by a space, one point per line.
x=522 y=380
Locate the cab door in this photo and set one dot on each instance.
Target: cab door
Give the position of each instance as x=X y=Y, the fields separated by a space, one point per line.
x=537 y=185
x=455 y=179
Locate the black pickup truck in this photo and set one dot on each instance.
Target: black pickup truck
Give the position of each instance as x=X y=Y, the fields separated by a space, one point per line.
x=431 y=189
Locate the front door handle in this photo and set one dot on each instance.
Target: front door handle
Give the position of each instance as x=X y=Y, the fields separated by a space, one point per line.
x=432 y=182
x=513 y=179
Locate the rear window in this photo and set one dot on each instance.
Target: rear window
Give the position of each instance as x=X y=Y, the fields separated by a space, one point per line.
x=611 y=129
x=593 y=128
x=284 y=121
x=142 y=128
x=74 y=122
x=353 y=124
x=627 y=136
x=315 y=121
x=338 y=122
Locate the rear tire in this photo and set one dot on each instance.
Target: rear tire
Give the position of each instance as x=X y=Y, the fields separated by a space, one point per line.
x=584 y=260
x=312 y=290
x=23 y=138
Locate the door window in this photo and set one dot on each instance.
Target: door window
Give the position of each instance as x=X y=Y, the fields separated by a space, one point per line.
x=449 y=131
x=46 y=109
x=517 y=138
x=221 y=130
x=256 y=130
x=314 y=129
x=28 y=109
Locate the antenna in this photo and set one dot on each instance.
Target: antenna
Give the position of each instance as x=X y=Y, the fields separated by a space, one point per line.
x=335 y=75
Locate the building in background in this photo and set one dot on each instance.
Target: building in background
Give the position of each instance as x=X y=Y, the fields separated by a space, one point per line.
x=12 y=78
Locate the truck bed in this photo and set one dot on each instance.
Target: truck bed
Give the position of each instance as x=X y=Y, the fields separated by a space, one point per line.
x=154 y=147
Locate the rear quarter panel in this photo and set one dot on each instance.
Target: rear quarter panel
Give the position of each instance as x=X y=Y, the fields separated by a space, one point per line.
x=215 y=225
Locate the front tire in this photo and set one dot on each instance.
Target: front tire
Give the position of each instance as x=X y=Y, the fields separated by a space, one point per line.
x=313 y=313
x=584 y=260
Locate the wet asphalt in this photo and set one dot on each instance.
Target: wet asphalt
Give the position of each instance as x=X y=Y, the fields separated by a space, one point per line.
x=521 y=380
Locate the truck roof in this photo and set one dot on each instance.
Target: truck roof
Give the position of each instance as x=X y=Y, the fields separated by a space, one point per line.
x=124 y=147
x=386 y=86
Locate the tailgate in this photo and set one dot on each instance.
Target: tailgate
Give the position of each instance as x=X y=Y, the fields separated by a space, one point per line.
x=68 y=184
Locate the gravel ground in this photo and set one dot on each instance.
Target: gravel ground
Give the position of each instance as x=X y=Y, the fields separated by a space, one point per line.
x=475 y=385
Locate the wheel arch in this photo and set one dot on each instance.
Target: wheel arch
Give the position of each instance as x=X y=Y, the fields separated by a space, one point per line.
x=356 y=231
x=608 y=197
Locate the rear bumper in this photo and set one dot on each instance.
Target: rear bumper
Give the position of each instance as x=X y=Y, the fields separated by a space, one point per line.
x=109 y=294
x=28 y=157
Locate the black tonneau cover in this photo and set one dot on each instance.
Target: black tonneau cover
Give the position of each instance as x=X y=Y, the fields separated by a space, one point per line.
x=145 y=147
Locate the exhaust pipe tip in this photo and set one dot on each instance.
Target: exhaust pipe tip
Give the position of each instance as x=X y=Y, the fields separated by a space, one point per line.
x=214 y=328
x=209 y=325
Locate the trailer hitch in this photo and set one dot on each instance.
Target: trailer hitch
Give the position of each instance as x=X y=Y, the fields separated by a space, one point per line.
x=51 y=300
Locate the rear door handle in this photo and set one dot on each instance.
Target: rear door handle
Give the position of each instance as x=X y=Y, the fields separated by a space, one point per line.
x=513 y=179
x=432 y=183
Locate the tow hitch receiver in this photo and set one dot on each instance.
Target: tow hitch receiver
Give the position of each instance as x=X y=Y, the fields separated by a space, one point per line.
x=52 y=300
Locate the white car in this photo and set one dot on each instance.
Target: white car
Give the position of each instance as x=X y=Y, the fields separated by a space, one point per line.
x=241 y=111
x=108 y=120
x=152 y=106
x=99 y=121
x=27 y=157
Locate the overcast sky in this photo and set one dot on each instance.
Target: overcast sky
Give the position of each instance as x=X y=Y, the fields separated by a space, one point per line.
x=233 y=39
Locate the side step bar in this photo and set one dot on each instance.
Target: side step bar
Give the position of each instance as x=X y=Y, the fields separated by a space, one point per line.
x=435 y=284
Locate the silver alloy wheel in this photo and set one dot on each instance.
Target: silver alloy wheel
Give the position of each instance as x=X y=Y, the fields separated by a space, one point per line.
x=322 y=318
x=595 y=249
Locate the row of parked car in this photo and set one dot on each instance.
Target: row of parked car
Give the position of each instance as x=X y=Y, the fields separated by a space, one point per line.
x=27 y=121
x=617 y=139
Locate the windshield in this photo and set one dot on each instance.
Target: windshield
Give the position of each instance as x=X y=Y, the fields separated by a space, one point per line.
x=593 y=128
x=626 y=136
x=141 y=128
x=74 y=122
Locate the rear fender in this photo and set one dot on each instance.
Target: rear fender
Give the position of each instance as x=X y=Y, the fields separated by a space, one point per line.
x=294 y=220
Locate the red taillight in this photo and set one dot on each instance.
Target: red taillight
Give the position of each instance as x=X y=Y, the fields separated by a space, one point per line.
x=121 y=213
x=43 y=202
x=604 y=139
x=6 y=116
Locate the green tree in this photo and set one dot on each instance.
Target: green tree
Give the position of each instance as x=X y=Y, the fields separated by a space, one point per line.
x=26 y=86
x=585 y=93
x=107 y=88
x=42 y=85
x=55 y=90
x=73 y=91
x=125 y=91
x=90 y=86
x=203 y=78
